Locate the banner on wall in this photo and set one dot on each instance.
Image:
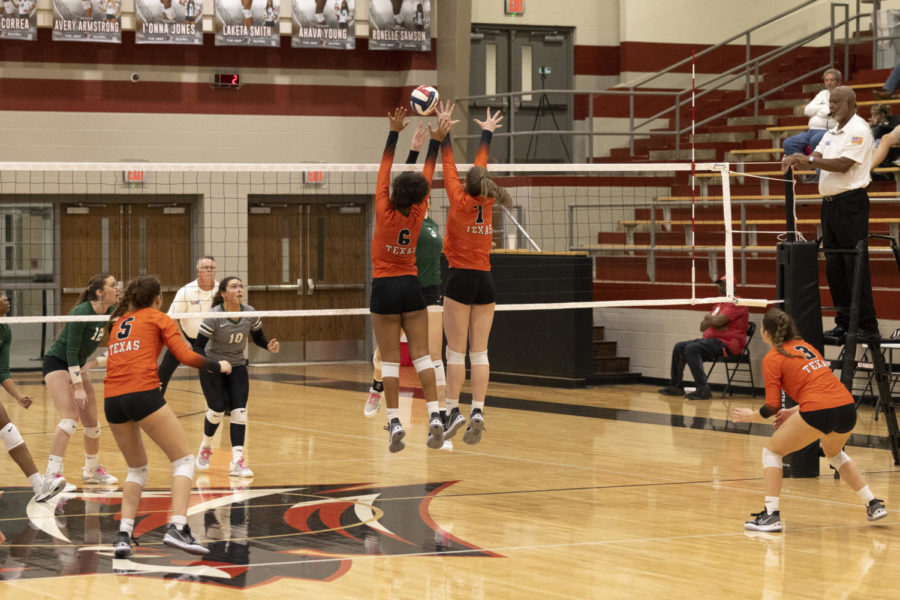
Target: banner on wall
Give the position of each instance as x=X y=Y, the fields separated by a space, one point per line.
x=18 y=20
x=400 y=25
x=323 y=24
x=247 y=23
x=87 y=21
x=169 y=22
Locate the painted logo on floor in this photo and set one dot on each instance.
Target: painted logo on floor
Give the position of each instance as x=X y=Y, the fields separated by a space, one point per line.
x=255 y=535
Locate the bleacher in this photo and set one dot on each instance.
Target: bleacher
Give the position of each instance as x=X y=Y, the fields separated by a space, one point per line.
x=632 y=263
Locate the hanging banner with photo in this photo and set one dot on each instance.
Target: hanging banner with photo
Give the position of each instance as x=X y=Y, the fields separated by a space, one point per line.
x=87 y=21
x=247 y=23
x=400 y=25
x=323 y=24
x=18 y=20
x=168 y=22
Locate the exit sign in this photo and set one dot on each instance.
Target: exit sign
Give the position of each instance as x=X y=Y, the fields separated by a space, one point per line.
x=515 y=7
x=134 y=177
x=313 y=177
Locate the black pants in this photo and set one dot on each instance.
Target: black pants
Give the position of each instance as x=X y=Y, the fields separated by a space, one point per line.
x=845 y=221
x=168 y=365
x=693 y=353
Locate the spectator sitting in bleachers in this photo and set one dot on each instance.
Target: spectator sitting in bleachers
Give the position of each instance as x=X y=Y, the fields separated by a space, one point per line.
x=818 y=113
x=724 y=330
x=883 y=122
x=890 y=85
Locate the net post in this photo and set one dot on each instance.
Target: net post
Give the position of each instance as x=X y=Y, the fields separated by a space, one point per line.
x=723 y=169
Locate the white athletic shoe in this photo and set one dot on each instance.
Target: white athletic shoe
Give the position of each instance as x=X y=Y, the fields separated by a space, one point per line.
x=98 y=476
x=373 y=403
x=50 y=487
x=203 y=458
x=448 y=445
x=435 y=431
x=240 y=469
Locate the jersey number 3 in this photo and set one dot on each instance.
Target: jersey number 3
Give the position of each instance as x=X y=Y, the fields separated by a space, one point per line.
x=807 y=353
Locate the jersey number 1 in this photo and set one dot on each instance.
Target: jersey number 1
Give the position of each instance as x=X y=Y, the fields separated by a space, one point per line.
x=235 y=338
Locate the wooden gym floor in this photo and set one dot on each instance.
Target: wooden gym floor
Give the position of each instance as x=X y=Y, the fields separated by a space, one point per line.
x=609 y=492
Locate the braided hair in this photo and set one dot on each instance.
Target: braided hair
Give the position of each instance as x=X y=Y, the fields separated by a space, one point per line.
x=139 y=293
x=479 y=183
x=781 y=328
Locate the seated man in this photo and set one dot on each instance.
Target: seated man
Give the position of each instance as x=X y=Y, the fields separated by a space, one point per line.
x=724 y=330
x=818 y=112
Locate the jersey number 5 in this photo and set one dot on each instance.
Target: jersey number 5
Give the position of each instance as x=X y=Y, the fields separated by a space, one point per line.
x=124 y=328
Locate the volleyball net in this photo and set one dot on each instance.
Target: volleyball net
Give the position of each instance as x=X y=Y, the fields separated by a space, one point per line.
x=299 y=236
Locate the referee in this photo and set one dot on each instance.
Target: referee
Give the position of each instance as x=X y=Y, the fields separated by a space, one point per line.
x=844 y=155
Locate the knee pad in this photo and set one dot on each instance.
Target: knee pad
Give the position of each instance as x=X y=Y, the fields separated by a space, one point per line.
x=390 y=370
x=455 y=358
x=479 y=358
x=423 y=363
x=837 y=461
x=92 y=432
x=440 y=376
x=69 y=426
x=239 y=416
x=11 y=437
x=184 y=467
x=214 y=417
x=376 y=362
x=138 y=475
x=770 y=459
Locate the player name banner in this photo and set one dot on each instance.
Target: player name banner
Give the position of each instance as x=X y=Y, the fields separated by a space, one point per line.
x=169 y=22
x=247 y=23
x=18 y=20
x=323 y=24
x=400 y=25
x=87 y=21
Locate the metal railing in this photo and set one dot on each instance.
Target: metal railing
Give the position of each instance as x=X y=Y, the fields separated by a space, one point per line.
x=749 y=70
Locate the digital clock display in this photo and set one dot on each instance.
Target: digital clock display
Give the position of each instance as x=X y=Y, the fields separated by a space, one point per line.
x=226 y=80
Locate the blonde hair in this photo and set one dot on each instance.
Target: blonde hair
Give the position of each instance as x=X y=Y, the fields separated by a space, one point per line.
x=781 y=328
x=479 y=183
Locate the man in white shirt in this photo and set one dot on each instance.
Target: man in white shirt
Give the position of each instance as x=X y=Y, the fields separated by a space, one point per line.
x=818 y=113
x=197 y=296
x=844 y=156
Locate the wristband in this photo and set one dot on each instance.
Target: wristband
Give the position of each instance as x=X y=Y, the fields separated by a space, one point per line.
x=101 y=360
x=75 y=374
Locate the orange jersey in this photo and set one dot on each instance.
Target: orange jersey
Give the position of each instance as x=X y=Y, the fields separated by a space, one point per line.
x=396 y=234
x=807 y=379
x=135 y=341
x=470 y=229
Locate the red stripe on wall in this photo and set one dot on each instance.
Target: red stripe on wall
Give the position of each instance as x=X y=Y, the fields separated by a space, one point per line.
x=199 y=98
x=208 y=55
x=596 y=60
x=650 y=57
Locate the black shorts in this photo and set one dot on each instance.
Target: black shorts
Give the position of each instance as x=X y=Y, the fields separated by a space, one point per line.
x=225 y=392
x=432 y=295
x=395 y=295
x=840 y=419
x=468 y=286
x=51 y=363
x=132 y=407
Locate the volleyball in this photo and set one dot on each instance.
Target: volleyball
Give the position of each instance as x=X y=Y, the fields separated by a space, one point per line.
x=423 y=99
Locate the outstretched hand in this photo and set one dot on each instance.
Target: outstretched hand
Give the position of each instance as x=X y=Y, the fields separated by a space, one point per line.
x=445 y=121
x=274 y=346
x=742 y=415
x=397 y=122
x=419 y=138
x=491 y=122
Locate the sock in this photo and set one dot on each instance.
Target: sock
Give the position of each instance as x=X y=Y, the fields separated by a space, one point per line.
x=36 y=480
x=771 y=504
x=431 y=407
x=179 y=521
x=127 y=525
x=378 y=386
x=91 y=461
x=452 y=403
x=207 y=442
x=866 y=494
x=54 y=465
x=237 y=453
x=393 y=413
x=479 y=404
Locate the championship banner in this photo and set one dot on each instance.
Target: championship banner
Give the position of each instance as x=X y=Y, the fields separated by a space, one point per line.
x=169 y=22
x=87 y=21
x=323 y=24
x=247 y=23
x=400 y=25
x=18 y=20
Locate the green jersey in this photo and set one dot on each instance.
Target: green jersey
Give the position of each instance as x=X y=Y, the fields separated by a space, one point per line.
x=428 y=253
x=78 y=340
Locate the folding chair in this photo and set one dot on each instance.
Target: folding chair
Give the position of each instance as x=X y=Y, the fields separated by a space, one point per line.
x=733 y=363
